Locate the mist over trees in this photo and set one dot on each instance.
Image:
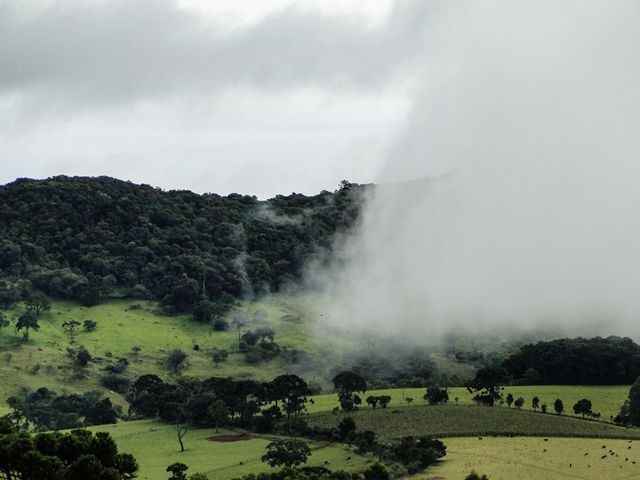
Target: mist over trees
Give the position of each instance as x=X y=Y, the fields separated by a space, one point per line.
x=87 y=238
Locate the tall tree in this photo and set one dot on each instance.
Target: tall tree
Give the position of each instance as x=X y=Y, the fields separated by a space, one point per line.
x=558 y=406
x=27 y=321
x=346 y=384
x=488 y=385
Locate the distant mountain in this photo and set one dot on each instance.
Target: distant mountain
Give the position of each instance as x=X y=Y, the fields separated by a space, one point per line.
x=86 y=238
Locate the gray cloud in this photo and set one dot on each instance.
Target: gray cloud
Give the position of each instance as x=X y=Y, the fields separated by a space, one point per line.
x=82 y=54
x=534 y=107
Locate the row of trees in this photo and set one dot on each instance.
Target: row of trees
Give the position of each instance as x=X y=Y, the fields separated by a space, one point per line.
x=78 y=455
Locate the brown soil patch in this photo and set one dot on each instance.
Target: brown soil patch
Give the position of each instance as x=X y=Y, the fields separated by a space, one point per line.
x=230 y=438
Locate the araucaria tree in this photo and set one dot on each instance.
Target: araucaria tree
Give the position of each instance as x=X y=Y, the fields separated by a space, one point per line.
x=346 y=384
x=488 y=385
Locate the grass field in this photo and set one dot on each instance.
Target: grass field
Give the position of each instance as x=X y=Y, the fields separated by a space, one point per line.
x=36 y=363
x=606 y=399
x=157 y=449
x=467 y=420
x=534 y=459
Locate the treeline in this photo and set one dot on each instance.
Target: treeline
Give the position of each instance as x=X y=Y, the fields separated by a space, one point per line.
x=86 y=238
x=579 y=361
x=78 y=455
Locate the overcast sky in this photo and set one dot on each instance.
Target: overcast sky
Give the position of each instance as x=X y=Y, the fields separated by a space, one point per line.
x=250 y=96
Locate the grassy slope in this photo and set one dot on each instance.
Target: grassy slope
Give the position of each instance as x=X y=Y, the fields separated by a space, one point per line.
x=605 y=399
x=154 y=450
x=120 y=328
x=526 y=458
x=467 y=420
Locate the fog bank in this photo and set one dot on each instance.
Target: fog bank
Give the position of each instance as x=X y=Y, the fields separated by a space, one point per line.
x=526 y=122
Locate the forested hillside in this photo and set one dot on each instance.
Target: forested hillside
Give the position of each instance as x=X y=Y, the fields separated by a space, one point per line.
x=87 y=238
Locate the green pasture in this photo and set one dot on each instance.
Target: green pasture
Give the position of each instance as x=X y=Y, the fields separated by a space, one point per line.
x=36 y=363
x=468 y=420
x=605 y=399
x=535 y=459
x=155 y=446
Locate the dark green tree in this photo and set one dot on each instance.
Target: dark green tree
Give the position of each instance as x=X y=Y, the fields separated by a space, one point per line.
x=175 y=360
x=509 y=399
x=27 y=321
x=535 y=403
x=177 y=471
x=488 y=385
x=377 y=471
x=287 y=453
x=436 y=395
x=558 y=406
x=582 y=407
x=518 y=403
x=634 y=403
x=346 y=384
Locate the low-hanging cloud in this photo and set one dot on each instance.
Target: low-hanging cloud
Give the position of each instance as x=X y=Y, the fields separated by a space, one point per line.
x=82 y=54
x=533 y=108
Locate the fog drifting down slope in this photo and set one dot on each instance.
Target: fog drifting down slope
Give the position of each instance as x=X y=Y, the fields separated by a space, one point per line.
x=533 y=108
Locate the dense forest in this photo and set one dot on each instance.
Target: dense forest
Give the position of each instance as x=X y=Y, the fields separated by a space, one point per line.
x=578 y=361
x=87 y=238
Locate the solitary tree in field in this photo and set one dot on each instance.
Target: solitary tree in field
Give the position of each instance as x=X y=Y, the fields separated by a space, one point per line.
x=27 y=321
x=287 y=453
x=535 y=403
x=436 y=395
x=509 y=399
x=346 y=384
x=181 y=428
x=518 y=403
x=558 y=406
x=175 y=360
x=582 y=407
